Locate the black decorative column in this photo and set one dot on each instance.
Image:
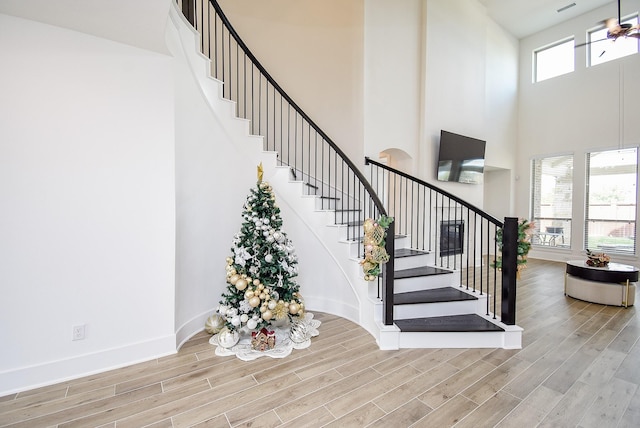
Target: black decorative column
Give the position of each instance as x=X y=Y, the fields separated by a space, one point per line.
x=509 y=269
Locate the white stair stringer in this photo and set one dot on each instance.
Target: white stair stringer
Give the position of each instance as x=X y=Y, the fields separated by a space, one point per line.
x=349 y=292
x=326 y=273
x=359 y=307
x=222 y=109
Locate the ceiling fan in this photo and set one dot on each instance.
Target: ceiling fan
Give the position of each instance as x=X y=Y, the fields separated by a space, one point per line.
x=617 y=29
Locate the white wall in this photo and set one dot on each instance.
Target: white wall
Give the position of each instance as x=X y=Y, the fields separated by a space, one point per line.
x=140 y=23
x=470 y=89
x=418 y=75
x=393 y=78
x=575 y=113
x=87 y=190
x=314 y=50
x=213 y=177
x=122 y=188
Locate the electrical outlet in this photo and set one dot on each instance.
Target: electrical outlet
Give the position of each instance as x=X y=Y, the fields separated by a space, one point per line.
x=78 y=332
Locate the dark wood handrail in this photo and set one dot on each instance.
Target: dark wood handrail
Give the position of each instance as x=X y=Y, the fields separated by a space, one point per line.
x=293 y=104
x=465 y=204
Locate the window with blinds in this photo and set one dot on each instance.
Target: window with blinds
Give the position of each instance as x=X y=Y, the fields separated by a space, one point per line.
x=610 y=222
x=551 y=200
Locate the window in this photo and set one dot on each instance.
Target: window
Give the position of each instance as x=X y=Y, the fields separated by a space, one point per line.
x=611 y=201
x=602 y=49
x=554 y=60
x=552 y=195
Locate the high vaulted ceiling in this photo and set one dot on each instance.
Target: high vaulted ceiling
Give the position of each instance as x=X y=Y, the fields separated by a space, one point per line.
x=525 y=17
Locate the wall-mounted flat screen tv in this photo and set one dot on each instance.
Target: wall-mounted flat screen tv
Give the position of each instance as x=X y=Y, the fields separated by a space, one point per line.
x=460 y=158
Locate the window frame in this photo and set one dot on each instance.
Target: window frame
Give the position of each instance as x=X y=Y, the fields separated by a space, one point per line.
x=591 y=43
x=560 y=237
x=546 y=48
x=610 y=248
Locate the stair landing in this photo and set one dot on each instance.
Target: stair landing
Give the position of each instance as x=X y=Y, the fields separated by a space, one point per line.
x=452 y=323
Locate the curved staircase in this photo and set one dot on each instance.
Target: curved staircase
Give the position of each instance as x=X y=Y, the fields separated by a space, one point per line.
x=431 y=309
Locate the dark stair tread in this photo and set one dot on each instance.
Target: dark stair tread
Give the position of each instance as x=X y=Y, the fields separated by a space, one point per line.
x=436 y=295
x=450 y=323
x=408 y=252
x=419 y=271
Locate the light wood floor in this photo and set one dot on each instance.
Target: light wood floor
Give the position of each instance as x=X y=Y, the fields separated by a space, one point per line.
x=579 y=366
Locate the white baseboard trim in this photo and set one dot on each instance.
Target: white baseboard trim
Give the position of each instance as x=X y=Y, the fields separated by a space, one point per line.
x=194 y=326
x=321 y=304
x=25 y=378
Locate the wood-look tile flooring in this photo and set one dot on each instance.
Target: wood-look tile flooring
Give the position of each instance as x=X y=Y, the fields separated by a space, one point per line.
x=579 y=366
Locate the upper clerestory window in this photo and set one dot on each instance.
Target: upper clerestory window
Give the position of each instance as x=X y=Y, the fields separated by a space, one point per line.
x=603 y=48
x=554 y=60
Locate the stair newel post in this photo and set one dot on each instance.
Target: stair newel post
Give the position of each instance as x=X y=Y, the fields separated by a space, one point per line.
x=387 y=276
x=509 y=269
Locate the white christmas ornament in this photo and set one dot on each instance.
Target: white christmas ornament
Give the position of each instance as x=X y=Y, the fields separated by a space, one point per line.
x=228 y=338
x=235 y=321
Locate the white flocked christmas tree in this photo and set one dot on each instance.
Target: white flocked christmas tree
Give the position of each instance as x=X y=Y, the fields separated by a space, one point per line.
x=261 y=287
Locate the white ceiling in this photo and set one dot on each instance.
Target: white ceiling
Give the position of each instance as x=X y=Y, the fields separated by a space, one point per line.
x=525 y=17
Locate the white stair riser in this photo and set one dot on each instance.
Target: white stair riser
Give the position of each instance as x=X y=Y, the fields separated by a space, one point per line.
x=343 y=217
x=423 y=310
x=423 y=283
x=452 y=340
x=402 y=241
x=413 y=261
x=393 y=338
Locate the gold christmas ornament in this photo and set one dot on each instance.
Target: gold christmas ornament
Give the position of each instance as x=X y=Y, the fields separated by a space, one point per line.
x=293 y=308
x=214 y=324
x=280 y=311
x=241 y=284
x=375 y=253
x=260 y=173
x=234 y=278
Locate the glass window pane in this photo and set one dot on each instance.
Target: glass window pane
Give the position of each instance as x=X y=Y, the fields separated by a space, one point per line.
x=552 y=195
x=611 y=201
x=602 y=49
x=554 y=61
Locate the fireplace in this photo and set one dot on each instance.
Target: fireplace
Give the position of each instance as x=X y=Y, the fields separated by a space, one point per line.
x=451 y=237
